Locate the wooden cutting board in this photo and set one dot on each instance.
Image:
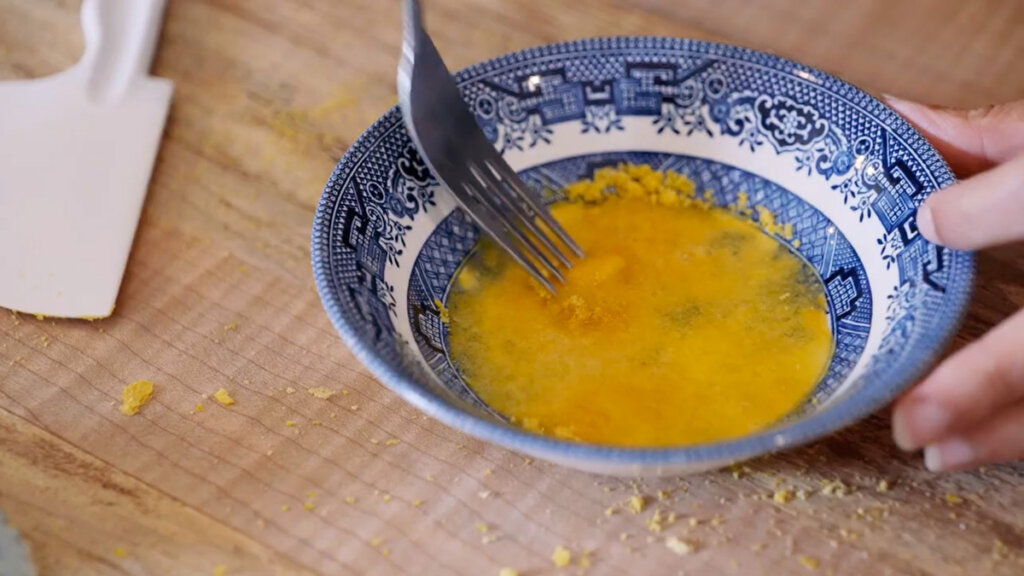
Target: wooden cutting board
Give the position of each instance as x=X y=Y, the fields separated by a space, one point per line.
x=218 y=294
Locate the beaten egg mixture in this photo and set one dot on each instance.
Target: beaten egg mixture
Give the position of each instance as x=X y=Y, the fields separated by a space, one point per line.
x=685 y=323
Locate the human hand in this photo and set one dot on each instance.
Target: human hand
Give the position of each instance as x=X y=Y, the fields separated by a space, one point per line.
x=970 y=410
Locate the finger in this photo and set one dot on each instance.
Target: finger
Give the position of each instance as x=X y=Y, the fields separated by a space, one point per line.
x=968 y=387
x=984 y=210
x=999 y=439
x=970 y=140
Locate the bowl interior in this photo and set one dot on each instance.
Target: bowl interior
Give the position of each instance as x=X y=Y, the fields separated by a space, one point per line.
x=844 y=170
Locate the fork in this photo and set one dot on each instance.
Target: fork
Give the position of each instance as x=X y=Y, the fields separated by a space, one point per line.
x=459 y=154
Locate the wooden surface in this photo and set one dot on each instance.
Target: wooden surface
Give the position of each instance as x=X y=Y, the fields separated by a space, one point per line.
x=269 y=94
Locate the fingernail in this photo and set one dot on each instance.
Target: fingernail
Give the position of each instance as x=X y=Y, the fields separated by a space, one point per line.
x=918 y=423
x=949 y=454
x=926 y=223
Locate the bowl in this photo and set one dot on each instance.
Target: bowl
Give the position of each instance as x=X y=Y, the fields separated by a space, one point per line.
x=844 y=169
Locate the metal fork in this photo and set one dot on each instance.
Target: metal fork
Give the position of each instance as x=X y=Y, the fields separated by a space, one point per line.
x=458 y=152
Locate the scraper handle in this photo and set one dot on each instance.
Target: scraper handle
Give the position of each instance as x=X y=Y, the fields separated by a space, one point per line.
x=120 y=39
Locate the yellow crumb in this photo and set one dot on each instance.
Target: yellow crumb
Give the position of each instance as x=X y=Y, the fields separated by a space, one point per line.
x=289 y=423
x=654 y=523
x=289 y=390
x=636 y=504
x=782 y=496
x=321 y=392
x=609 y=511
x=809 y=562
x=220 y=571
x=350 y=500
x=834 y=488
x=285 y=507
x=223 y=397
x=199 y=407
x=417 y=503
x=508 y=572
x=481 y=527
x=309 y=506
x=953 y=498
x=441 y=310
x=40 y=317
x=664 y=494
x=386 y=497
x=694 y=521
x=230 y=327
x=1000 y=551
x=315 y=422
x=883 y=486
x=391 y=442
x=135 y=396
x=120 y=552
x=680 y=547
x=561 y=557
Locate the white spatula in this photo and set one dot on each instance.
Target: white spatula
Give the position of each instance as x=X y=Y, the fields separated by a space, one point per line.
x=76 y=153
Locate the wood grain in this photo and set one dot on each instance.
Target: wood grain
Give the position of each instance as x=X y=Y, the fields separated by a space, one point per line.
x=269 y=93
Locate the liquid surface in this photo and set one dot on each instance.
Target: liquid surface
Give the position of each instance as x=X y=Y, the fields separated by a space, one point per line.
x=684 y=323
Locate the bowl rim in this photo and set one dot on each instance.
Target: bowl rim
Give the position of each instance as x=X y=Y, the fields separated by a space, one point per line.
x=800 y=432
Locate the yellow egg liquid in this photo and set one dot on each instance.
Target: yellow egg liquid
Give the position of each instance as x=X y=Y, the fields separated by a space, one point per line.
x=684 y=323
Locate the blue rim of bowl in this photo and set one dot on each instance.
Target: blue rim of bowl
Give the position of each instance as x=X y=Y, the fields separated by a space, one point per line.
x=829 y=420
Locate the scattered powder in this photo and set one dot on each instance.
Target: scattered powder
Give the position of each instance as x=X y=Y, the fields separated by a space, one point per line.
x=636 y=504
x=135 y=396
x=223 y=397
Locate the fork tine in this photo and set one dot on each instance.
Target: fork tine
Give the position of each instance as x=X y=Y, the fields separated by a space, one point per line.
x=510 y=224
x=491 y=182
x=505 y=172
x=497 y=230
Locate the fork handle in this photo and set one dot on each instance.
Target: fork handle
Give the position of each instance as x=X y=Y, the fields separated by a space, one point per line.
x=412 y=18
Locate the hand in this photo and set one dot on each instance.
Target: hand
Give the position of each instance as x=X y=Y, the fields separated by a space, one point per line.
x=970 y=410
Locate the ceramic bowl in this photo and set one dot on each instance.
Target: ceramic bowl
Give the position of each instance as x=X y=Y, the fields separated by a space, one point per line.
x=845 y=170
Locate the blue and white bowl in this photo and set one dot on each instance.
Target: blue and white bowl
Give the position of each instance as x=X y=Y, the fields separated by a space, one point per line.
x=819 y=153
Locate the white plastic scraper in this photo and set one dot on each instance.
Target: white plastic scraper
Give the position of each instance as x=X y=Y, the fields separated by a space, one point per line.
x=76 y=152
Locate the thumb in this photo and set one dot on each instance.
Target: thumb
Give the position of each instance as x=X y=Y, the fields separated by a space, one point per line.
x=970 y=140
